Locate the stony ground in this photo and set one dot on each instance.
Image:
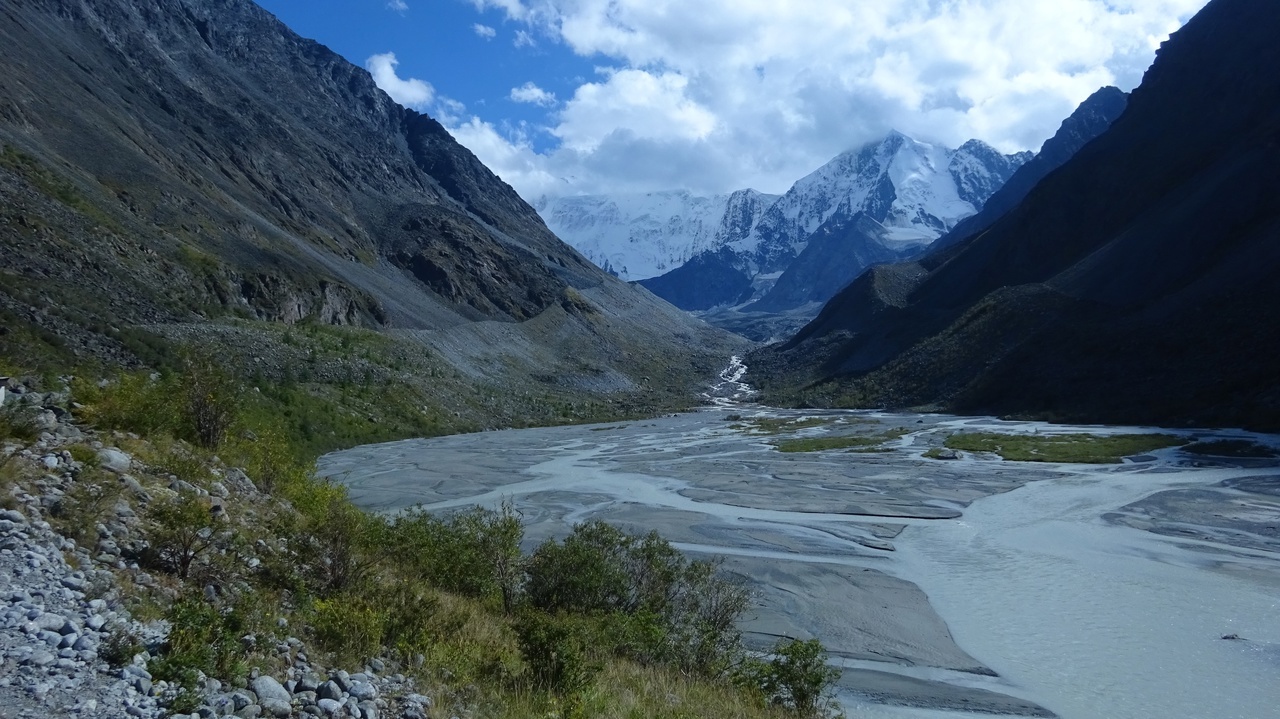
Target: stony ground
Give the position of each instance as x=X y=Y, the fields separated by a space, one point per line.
x=62 y=610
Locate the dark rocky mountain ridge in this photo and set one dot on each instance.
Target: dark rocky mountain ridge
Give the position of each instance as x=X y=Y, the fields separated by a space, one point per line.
x=172 y=161
x=1133 y=284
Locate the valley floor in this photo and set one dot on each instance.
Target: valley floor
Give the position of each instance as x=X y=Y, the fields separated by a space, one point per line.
x=940 y=586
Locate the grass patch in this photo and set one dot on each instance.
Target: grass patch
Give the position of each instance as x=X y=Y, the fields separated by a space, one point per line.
x=1230 y=448
x=853 y=443
x=1069 y=448
x=777 y=425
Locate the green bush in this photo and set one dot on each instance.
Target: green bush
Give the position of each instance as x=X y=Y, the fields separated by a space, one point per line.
x=133 y=402
x=203 y=638
x=350 y=628
x=555 y=647
x=120 y=646
x=797 y=677
x=179 y=531
x=87 y=456
x=211 y=399
x=87 y=502
x=475 y=552
x=16 y=426
x=656 y=604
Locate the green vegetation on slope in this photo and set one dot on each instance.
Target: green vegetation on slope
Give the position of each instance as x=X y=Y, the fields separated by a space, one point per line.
x=1076 y=448
x=601 y=623
x=863 y=442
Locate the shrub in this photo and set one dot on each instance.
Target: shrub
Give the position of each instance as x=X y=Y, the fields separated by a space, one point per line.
x=203 y=638
x=666 y=608
x=120 y=646
x=797 y=677
x=339 y=546
x=211 y=400
x=555 y=648
x=16 y=426
x=86 y=503
x=475 y=552
x=350 y=628
x=179 y=530
x=87 y=456
x=133 y=401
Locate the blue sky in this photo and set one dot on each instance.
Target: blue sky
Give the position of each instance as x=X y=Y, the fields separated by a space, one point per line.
x=589 y=96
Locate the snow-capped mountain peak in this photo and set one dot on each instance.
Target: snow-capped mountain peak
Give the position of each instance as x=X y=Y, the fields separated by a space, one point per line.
x=644 y=235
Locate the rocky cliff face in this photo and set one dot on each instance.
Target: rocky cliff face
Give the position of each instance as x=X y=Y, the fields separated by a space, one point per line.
x=172 y=160
x=1133 y=284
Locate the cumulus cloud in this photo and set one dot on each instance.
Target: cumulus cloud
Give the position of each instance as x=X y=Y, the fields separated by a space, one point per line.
x=533 y=95
x=484 y=31
x=758 y=93
x=410 y=92
x=399 y=6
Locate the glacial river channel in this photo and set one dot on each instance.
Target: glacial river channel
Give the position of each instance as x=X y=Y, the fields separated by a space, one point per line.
x=944 y=588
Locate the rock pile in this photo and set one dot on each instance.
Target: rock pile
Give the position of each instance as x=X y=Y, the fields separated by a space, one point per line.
x=68 y=645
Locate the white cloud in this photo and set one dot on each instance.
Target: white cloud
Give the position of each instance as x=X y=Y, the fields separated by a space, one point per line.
x=409 y=92
x=533 y=94
x=739 y=93
x=484 y=31
x=510 y=156
x=524 y=39
x=399 y=6
x=642 y=104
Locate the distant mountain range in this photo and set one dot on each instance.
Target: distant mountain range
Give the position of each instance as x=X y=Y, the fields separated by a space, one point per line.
x=636 y=237
x=883 y=201
x=1135 y=283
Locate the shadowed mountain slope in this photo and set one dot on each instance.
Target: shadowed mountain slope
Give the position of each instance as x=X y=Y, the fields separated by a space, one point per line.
x=170 y=162
x=1134 y=284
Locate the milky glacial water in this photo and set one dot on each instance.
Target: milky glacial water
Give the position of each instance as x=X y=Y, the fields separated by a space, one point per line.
x=1085 y=618
x=1096 y=620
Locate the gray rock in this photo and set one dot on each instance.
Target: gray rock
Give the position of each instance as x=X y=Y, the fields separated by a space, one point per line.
x=329 y=690
x=329 y=706
x=52 y=622
x=143 y=685
x=13 y=515
x=277 y=707
x=343 y=679
x=308 y=683
x=251 y=711
x=363 y=690
x=114 y=460
x=240 y=700
x=421 y=700
x=268 y=688
x=41 y=658
x=368 y=710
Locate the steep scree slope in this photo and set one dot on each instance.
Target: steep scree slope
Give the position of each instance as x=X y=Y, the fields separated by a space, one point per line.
x=174 y=161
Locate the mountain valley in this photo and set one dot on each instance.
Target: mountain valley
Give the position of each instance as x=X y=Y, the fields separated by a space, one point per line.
x=306 y=412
